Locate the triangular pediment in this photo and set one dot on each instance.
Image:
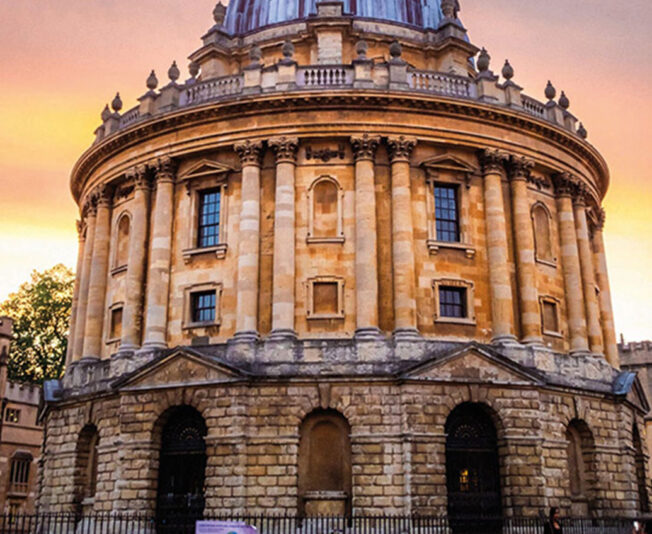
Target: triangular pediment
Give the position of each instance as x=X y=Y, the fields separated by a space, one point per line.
x=181 y=367
x=628 y=384
x=205 y=167
x=448 y=162
x=474 y=363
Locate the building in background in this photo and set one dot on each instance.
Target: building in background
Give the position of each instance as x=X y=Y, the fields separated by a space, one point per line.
x=20 y=435
x=343 y=268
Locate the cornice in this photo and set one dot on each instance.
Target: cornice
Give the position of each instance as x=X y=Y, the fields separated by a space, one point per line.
x=333 y=99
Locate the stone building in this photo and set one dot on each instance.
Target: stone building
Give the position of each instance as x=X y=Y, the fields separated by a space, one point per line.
x=20 y=435
x=343 y=268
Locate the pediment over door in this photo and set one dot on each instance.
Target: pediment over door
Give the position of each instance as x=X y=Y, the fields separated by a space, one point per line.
x=474 y=363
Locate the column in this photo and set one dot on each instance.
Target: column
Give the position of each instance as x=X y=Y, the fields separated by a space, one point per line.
x=602 y=277
x=83 y=274
x=405 y=305
x=565 y=186
x=525 y=262
x=594 y=330
x=75 y=296
x=158 y=275
x=132 y=317
x=366 y=255
x=283 y=282
x=249 y=242
x=98 y=275
x=502 y=311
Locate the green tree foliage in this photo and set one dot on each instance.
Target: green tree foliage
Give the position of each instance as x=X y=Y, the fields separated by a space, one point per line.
x=41 y=311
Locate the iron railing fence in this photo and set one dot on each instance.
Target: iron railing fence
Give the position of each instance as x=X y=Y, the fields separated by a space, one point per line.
x=112 y=523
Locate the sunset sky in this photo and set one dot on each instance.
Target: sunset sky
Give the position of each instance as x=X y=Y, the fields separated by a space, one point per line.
x=62 y=61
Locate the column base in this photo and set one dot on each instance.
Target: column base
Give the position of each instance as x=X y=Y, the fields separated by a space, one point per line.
x=246 y=336
x=369 y=333
x=534 y=342
x=149 y=346
x=282 y=334
x=407 y=334
x=579 y=352
x=505 y=341
x=126 y=350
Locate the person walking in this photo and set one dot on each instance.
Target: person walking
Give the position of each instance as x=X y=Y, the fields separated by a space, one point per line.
x=553 y=525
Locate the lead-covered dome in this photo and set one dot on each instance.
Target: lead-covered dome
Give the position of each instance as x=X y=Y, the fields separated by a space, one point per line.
x=248 y=15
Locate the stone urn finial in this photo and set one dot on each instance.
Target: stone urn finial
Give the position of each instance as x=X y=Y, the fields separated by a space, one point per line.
x=581 y=131
x=117 y=103
x=483 y=60
x=361 y=48
x=508 y=71
x=152 y=81
x=563 y=101
x=450 y=8
x=288 y=49
x=106 y=113
x=219 y=14
x=255 y=54
x=550 y=91
x=193 y=69
x=395 y=50
x=174 y=73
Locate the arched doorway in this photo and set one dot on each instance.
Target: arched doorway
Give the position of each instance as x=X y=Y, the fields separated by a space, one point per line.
x=472 y=471
x=581 y=468
x=182 y=469
x=325 y=465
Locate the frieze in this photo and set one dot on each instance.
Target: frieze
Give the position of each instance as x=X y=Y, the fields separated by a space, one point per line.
x=326 y=154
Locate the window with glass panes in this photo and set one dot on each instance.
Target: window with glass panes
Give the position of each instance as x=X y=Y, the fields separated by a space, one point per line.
x=209 y=218
x=452 y=302
x=203 y=307
x=447 y=213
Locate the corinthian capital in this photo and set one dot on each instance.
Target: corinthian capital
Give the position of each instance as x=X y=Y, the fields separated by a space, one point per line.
x=250 y=152
x=565 y=184
x=520 y=168
x=103 y=195
x=165 y=169
x=493 y=160
x=365 y=146
x=600 y=218
x=138 y=176
x=285 y=148
x=400 y=148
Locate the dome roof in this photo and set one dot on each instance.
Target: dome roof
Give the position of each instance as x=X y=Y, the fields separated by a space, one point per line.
x=247 y=15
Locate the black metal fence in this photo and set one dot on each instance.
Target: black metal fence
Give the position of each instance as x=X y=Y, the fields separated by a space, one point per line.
x=111 y=523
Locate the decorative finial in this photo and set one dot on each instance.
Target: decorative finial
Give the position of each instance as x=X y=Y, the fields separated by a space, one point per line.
x=288 y=49
x=395 y=50
x=106 y=113
x=450 y=8
x=581 y=131
x=508 y=70
x=117 y=103
x=563 y=101
x=483 y=60
x=255 y=54
x=174 y=72
x=193 y=69
x=550 y=92
x=152 y=81
x=219 y=14
x=361 y=48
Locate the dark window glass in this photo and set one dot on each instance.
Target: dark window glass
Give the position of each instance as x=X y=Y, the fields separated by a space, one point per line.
x=447 y=213
x=12 y=415
x=452 y=302
x=209 y=218
x=203 y=307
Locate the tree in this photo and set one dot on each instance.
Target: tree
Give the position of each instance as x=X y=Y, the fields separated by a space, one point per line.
x=41 y=311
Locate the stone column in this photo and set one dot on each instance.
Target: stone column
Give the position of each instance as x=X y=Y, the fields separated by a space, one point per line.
x=502 y=311
x=249 y=246
x=405 y=304
x=525 y=261
x=565 y=187
x=98 y=274
x=366 y=249
x=75 y=296
x=132 y=317
x=158 y=276
x=284 y=238
x=602 y=278
x=84 y=278
x=594 y=330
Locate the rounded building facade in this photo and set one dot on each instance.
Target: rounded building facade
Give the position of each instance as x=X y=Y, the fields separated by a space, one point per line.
x=344 y=268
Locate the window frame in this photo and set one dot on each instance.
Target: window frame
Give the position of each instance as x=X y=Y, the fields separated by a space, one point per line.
x=469 y=287
x=547 y=299
x=339 y=237
x=20 y=459
x=188 y=313
x=109 y=323
x=310 y=298
x=16 y=413
x=117 y=269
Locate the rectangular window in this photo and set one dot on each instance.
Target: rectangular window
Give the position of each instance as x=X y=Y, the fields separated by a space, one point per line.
x=19 y=475
x=203 y=307
x=116 y=323
x=447 y=213
x=209 y=218
x=549 y=317
x=452 y=302
x=12 y=415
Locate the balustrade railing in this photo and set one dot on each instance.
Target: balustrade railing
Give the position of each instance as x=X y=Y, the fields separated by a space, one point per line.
x=130 y=117
x=209 y=90
x=441 y=84
x=533 y=107
x=324 y=76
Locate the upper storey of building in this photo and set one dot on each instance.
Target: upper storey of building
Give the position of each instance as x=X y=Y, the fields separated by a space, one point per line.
x=244 y=16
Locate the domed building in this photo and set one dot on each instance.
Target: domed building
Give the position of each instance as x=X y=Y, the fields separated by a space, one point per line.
x=343 y=268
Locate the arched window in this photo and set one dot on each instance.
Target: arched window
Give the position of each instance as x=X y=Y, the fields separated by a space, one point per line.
x=325 y=206
x=122 y=241
x=472 y=467
x=542 y=233
x=86 y=465
x=580 y=454
x=643 y=497
x=325 y=465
